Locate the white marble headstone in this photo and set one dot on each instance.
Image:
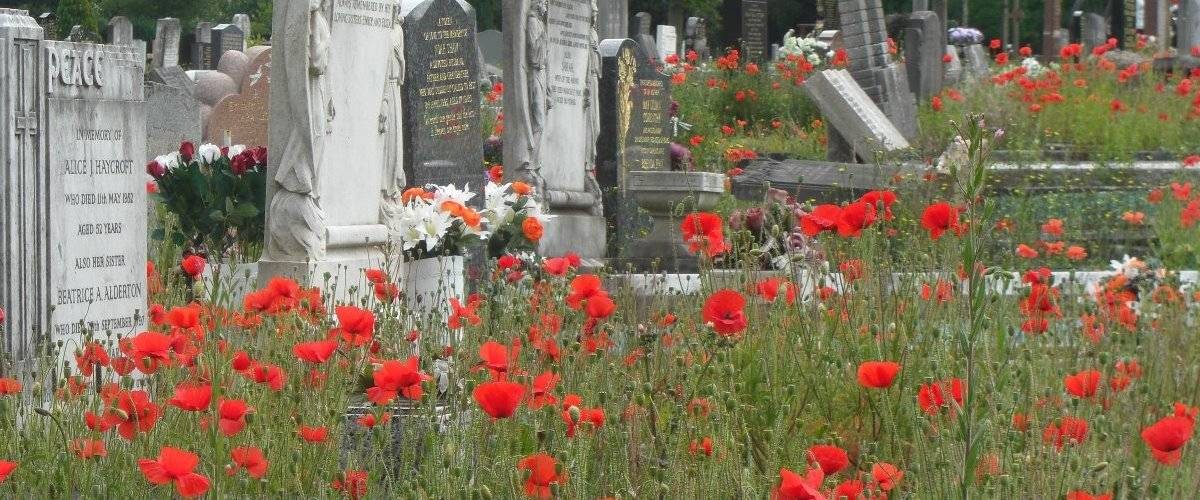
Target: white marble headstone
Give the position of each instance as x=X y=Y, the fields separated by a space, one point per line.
x=563 y=144
x=667 y=41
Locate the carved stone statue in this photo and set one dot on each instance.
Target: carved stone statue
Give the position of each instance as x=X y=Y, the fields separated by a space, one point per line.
x=296 y=222
x=390 y=124
x=591 y=110
x=526 y=100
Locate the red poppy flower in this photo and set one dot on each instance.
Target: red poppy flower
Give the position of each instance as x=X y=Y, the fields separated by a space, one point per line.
x=91 y=356
x=769 y=288
x=89 y=448
x=496 y=358
x=352 y=482
x=9 y=386
x=933 y=397
x=1026 y=252
x=600 y=307
x=541 y=394
x=193 y=265
x=232 y=413
x=315 y=352
x=1068 y=430
x=394 y=377
x=460 y=312
x=149 y=350
x=1083 y=384
x=543 y=472
x=1167 y=437
x=1083 y=495
x=823 y=218
x=175 y=466
x=499 y=399
x=192 y=397
x=314 y=434
x=831 y=459
x=584 y=287
x=886 y=476
x=249 y=458
x=370 y=421
x=271 y=375
x=854 y=218
x=724 y=311
x=850 y=488
x=6 y=468
x=793 y=486
x=703 y=232
x=877 y=374
x=939 y=218
x=132 y=413
x=704 y=446
x=881 y=200
x=355 y=325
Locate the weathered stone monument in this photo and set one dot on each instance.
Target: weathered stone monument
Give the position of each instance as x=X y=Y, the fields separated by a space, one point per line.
x=745 y=22
x=954 y=68
x=853 y=114
x=166 y=43
x=202 y=49
x=74 y=198
x=120 y=31
x=696 y=38
x=552 y=117
x=438 y=72
x=646 y=41
x=923 y=53
x=242 y=21
x=667 y=41
x=330 y=192
x=1051 y=23
x=1095 y=31
x=1158 y=22
x=1188 y=26
x=635 y=102
x=865 y=36
x=227 y=37
x=613 y=19
x=172 y=116
x=491 y=46
x=244 y=117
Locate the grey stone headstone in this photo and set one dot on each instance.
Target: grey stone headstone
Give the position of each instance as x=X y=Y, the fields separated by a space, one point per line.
x=242 y=21
x=96 y=153
x=746 y=25
x=613 y=18
x=1188 y=26
x=1095 y=31
x=49 y=23
x=898 y=102
x=818 y=181
x=120 y=31
x=667 y=41
x=166 y=43
x=1051 y=22
x=864 y=35
x=172 y=116
x=954 y=68
x=976 y=60
x=227 y=37
x=203 y=56
x=25 y=292
x=441 y=95
x=635 y=102
x=696 y=38
x=645 y=39
x=923 y=52
x=855 y=116
x=491 y=43
x=172 y=76
x=80 y=34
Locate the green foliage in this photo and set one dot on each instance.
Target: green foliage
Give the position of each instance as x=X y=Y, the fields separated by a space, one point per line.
x=77 y=12
x=218 y=209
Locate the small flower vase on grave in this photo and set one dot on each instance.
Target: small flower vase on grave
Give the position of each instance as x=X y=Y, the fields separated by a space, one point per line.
x=428 y=285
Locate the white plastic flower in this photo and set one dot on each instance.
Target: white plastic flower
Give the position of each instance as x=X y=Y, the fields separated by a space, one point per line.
x=170 y=161
x=208 y=153
x=236 y=149
x=451 y=193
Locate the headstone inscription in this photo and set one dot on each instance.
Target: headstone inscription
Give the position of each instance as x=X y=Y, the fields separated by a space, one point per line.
x=227 y=37
x=853 y=114
x=244 y=117
x=202 y=49
x=635 y=102
x=327 y=178
x=439 y=72
x=95 y=138
x=923 y=53
x=551 y=115
x=746 y=24
x=166 y=43
x=646 y=41
x=667 y=41
x=613 y=19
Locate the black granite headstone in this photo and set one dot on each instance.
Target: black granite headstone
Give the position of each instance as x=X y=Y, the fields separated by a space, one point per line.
x=635 y=131
x=202 y=49
x=442 y=136
x=746 y=28
x=226 y=37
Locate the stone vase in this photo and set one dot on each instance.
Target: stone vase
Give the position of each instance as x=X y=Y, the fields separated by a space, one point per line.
x=668 y=196
x=429 y=284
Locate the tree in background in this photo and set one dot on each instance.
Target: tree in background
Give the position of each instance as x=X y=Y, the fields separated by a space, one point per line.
x=77 y=12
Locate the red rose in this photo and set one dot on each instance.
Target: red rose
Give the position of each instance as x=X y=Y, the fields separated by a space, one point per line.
x=186 y=151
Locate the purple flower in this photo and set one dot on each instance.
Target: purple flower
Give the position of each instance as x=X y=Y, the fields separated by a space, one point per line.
x=681 y=157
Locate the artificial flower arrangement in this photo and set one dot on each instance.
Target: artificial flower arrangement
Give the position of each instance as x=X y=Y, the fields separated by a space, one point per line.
x=516 y=218
x=962 y=36
x=218 y=195
x=812 y=50
x=438 y=221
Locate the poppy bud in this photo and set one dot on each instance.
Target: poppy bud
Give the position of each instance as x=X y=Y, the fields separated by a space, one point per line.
x=120 y=413
x=485 y=492
x=575 y=412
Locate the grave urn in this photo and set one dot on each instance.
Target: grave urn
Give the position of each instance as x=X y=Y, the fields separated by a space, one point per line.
x=669 y=196
x=429 y=284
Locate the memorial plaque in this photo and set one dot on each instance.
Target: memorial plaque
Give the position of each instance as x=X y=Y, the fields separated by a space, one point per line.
x=96 y=151
x=226 y=37
x=441 y=95
x=564 y=142
x=747 y=27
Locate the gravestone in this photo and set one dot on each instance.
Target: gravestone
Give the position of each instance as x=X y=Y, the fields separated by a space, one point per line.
x=1076 y=28
x=667 y=41
x=25 y=292
x=1051 y=23
x=202 y=49
x=853 y=114
x=1124 y=23
x=551 y=117
x=95 y=152
x=120 y=31
x=864 y=33
x=1158 y=22
x=696 y=38
x=635 y=124
x=646 y=41
x=1188 y=26
x=166 y=43
x=173 y=76
x=808 y=180
x=976 y=61
x=242 y=21
x=923 y=53
x=439 y=74
x=172 y=116
x=613 y=19
x=746 y=27
x=1095 y=31
x=227 y=37
x=491 y=44
x=244 y=115
x=49 y=23
x=329 y=190
x=954 y=68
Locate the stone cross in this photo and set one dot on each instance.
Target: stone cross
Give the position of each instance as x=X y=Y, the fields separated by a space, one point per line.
x=166 y=43
x=120 y=31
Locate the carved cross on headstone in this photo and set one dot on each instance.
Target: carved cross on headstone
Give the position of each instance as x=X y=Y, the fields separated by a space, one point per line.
x=26 y=124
